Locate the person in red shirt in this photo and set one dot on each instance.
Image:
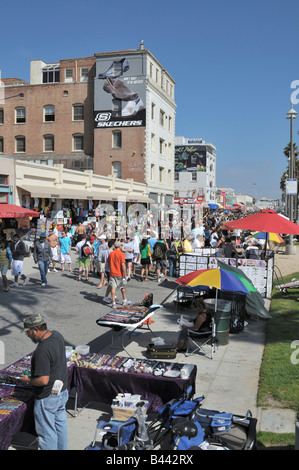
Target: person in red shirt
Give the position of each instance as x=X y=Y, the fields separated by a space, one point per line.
x=117 y=268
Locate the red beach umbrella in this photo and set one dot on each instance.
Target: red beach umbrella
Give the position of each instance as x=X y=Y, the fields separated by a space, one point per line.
x=265 y=221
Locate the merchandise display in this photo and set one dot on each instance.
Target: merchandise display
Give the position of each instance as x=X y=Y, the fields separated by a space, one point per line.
x=105 y=362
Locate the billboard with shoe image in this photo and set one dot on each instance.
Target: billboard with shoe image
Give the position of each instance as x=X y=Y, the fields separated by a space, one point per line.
x=120 y=91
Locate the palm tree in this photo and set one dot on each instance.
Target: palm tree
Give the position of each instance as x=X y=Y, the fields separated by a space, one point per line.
x=287 y=152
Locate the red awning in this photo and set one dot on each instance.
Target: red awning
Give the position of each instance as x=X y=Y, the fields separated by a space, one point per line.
x=12 y=211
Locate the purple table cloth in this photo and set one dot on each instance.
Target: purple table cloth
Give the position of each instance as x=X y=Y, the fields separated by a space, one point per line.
x=103 y=386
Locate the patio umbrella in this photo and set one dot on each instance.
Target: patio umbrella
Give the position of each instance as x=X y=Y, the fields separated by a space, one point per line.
x=272 y=237
x=12 y=211
x=218 y=278
x=265 y=221
x=254 y=303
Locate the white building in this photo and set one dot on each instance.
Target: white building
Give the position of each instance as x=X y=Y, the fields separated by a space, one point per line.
x=195 y=168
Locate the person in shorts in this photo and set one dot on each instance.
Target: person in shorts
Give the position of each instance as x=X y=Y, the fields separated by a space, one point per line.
x=117 y=280
x=54 y=243
x=18 y=251
x=65 y=244
x=83 y=261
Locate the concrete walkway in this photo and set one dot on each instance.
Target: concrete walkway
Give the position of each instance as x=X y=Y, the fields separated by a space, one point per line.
x=229 y=381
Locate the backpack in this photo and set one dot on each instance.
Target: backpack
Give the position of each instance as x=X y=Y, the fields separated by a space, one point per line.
x=158 y=252
x=86 y=250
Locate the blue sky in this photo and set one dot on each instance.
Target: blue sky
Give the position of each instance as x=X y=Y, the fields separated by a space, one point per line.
x=233 y=62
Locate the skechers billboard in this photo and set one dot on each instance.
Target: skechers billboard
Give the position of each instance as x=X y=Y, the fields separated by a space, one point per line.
x=120 y=92
x=190 y=158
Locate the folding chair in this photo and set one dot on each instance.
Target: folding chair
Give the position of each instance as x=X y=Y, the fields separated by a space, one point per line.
x=197 y=340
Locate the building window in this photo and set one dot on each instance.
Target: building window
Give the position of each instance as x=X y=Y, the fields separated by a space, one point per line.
x=49 y=113
x=78 y=142
x=152 y=172
x=162 y=118
x=4 y=179
x=49 y=143
x=161 y=174
x=169 y=177
x=83 y=74
x=20 y=115
x=1 y=145
x=20 y=143
x=161 y=146
x=116 y=169
x=153 y=115
x=170 y=124
x=153 y=139
x=194 y=176
x=116 y=139
x=78 y=112
x=1 y=116
x=51 y=74
x=68 y=75
x=176 y=176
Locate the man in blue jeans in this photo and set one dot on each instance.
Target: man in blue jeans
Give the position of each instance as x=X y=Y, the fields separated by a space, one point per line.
x=42 y=254
x=48 y=379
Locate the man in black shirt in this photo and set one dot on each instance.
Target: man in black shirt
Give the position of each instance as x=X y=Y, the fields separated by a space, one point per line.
x=49 y=382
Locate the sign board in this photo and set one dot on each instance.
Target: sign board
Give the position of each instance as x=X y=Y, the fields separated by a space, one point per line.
x=291 y=186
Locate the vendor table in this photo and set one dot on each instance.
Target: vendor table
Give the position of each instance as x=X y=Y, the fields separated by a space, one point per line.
x=17 y=401
x=129 y=317
x=102 y=385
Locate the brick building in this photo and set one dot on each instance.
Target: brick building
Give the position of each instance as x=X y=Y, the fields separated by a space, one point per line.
x=113 y=113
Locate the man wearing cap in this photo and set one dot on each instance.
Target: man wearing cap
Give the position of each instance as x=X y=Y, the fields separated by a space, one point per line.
x=42 y=254
x=48 y=379
x=117 y=267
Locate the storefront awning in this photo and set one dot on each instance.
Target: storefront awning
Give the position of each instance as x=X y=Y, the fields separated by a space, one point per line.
x=63 y=193
x=72 y=193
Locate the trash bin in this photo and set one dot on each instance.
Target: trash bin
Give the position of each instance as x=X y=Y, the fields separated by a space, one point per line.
x=238 y=309
x=222 y=319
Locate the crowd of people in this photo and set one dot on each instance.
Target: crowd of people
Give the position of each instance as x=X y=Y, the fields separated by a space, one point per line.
x=158 y=256
x=114 y=261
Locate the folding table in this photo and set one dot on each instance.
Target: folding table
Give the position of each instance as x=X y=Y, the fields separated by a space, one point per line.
x=130 y=317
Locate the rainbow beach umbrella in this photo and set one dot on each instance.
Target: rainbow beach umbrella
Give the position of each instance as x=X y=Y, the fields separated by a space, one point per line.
x=218 y=278
x=272 y=237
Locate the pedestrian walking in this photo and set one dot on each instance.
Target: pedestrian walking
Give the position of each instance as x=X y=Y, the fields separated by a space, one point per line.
x=145 y=259
x=100 y=262
x=18 y=251
x=49 y=380
x=42 y=254
x=65 y=244
x=54 y=243
x=84 y=250
x=117 y=269
x=5 y=263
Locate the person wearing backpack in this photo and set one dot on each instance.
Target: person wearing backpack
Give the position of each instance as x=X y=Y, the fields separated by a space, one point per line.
x=160 y=256
x=84 y=250
x=172 y=256
x=5 y=263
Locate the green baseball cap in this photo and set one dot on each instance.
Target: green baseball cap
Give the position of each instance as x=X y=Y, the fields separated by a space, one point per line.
x=32 y=322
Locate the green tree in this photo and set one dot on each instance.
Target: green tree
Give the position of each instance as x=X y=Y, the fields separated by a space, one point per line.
x=287 y=151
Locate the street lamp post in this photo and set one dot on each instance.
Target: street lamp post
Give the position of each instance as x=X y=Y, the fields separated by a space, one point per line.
x=291 y=249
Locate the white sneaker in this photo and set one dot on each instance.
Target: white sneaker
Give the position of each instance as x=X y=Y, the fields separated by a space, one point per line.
x=113 y=305
x=54 y=270
x=107 y=300
x=43 y=284
x=126 y=302
x=26 y=281
x=14 y=284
